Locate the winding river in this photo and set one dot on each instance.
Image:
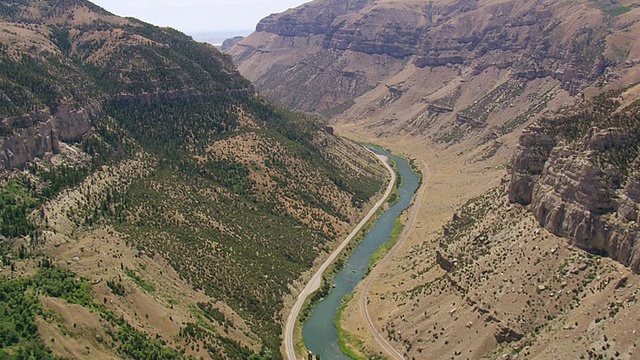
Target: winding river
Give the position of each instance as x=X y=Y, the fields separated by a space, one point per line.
x=319 y=331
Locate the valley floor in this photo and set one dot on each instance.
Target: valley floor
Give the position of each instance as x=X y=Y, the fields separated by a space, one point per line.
x=502 y=287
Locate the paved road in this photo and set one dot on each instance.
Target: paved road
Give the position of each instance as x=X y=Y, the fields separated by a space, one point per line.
x=384 y=343
x=316 y=280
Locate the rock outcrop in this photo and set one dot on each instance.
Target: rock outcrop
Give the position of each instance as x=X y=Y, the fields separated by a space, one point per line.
x=444 y=263
x=312 y=45
x=528 y=162
x=505 y=334
x=575 y=200
x=28 y=143
x=41 y=132
x=583 y=187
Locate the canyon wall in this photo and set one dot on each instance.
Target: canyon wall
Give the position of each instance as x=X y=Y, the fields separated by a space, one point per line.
x=584 y=187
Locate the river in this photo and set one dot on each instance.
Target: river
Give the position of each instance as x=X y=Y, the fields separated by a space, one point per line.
x=319 y=331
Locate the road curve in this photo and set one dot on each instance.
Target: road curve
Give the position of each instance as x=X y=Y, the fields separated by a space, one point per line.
x=382 y=341
x=316 y=280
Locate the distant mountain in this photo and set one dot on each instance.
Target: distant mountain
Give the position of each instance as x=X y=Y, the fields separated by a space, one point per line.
x=153 y=205
x=228 y=43
x=217 y=38
x=420 y=61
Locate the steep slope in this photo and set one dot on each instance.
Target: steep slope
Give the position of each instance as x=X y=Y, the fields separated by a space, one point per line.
x=447 y=69
x=504 y=276
x=454 y=83
x=141 y=164
x=542 y=265
x=579 y=173
x=491 y=284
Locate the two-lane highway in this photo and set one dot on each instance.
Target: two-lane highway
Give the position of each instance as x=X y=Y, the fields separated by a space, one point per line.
x=316 y=280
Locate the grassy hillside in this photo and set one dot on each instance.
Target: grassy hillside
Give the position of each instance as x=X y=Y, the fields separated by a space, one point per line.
x=140 y=169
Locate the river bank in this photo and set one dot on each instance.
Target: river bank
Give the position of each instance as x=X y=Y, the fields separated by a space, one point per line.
x=319 y=331
x=316 y=280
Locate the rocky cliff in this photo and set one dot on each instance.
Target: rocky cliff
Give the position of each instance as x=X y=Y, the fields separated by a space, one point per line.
x=143 y=165
x=62 y=64
x=579 y=174
x=40 y=133
x=336 y=57
x=447 y=32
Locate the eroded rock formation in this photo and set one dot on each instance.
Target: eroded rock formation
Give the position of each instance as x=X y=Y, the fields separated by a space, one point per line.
x=585 y=190
x=313 y=44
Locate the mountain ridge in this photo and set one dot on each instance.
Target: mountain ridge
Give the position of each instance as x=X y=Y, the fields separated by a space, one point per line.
x=363 y=51
x=142 y=164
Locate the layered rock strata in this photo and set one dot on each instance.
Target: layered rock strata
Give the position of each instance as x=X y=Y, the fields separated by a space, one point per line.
x=572 y=195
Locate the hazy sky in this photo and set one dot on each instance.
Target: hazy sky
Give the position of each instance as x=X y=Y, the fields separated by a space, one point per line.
x=197 y=16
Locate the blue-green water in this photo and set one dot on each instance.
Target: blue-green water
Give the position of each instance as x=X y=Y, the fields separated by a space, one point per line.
x=319 y=332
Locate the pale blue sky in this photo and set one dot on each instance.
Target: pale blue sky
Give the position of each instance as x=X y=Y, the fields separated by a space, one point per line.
x=199 y=16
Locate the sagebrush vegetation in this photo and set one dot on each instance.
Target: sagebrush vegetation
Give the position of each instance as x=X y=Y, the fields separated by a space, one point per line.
x=237 y=195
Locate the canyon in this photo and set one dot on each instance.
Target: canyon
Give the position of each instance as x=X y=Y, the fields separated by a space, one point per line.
x=526 y=112
x=156 y=200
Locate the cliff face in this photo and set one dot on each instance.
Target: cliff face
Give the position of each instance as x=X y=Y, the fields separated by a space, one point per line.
x=316 y=18
x=40 y=133
x=182 y=194
x=317 y=47
x=457 y=32
x=528 y=163
x=579 y=173
x=62 y=65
